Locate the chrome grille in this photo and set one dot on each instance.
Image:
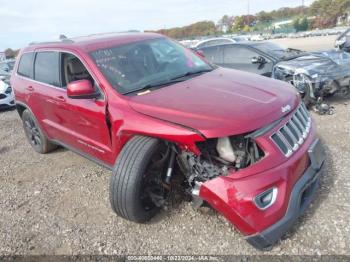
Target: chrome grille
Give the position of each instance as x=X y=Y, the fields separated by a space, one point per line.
x=292 y=135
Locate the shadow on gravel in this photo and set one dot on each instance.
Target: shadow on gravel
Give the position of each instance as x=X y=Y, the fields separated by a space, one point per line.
x=325 y=185
x=4 y=110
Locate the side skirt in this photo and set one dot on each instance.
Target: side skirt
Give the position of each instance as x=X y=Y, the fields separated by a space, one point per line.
x=77 y=151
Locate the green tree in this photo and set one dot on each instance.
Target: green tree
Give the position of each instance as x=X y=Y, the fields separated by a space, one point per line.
x=303 y=24
x=225 y=23
x=328 y=11
x=238 y=24
x=296 y=24
x=246 y=28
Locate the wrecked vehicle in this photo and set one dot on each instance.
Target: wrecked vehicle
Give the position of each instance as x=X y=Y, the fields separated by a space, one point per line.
x=160 y=116
x=7 y=98
x=315 y=75
x=343 y=41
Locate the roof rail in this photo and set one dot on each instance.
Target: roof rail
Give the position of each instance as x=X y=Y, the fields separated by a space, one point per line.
x=62 y=39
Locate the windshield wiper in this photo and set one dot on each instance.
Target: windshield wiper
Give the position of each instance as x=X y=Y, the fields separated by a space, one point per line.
x=173 y=80
x=192 y=73
x=153 y=85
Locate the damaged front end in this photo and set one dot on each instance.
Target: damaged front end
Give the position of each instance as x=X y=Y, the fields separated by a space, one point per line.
x=250 y=179
x=219 y=157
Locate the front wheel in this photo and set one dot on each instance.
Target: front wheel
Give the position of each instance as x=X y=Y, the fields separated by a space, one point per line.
x=136 y=187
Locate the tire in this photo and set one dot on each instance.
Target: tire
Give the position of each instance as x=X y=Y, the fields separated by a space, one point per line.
x=127 y=184
x=35 y=135
x=306 y=94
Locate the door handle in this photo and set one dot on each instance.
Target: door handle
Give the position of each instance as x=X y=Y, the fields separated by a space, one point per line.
x=61 y=99
x=30 y=88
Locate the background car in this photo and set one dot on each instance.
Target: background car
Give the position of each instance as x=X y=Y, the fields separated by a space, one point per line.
x=257 y=38
x=343 y=41
x=254 y=57
x=315 y=74
x=241 y=38
x=213 y=41
x=7 y=66
x=7 y=98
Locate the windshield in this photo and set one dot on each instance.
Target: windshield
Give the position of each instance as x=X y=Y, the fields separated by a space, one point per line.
x=276 y=50
x=338 y=57
x=140 y=65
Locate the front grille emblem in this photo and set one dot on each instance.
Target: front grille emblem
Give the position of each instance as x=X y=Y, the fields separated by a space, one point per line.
x=286 y=108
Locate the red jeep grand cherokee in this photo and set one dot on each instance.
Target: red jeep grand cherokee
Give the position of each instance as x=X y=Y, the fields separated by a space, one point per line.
x=160 y=116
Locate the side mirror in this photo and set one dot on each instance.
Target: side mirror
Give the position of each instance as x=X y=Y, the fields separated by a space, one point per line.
x=81 y=89
x=258 y=60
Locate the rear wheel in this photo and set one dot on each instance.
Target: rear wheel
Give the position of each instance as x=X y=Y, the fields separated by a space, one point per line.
x=137 y=190
x=34 y=134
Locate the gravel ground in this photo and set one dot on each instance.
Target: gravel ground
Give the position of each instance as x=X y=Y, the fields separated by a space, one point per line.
x=58 y=204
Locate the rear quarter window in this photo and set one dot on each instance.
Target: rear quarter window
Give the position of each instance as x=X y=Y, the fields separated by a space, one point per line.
x=25 y=66
x=46 y=68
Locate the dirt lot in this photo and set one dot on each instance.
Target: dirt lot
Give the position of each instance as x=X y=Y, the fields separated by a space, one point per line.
x=58 y=204
x=308 y=44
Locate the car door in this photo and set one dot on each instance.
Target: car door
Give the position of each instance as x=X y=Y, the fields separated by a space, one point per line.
x=244 y=58
x=79 y=124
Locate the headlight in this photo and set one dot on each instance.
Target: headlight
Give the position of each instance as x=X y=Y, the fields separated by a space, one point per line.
x=8 y=90
x=302 y=83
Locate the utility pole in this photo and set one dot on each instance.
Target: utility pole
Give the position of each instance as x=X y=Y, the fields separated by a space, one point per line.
x=248 y=11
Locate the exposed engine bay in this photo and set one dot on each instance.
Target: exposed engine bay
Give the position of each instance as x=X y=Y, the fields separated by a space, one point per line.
x=219 y=156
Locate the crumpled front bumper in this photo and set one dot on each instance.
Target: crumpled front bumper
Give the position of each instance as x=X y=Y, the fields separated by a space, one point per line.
x=263 y=228
x=301 y=196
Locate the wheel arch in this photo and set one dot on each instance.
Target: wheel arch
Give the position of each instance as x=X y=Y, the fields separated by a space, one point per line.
x=21 y=107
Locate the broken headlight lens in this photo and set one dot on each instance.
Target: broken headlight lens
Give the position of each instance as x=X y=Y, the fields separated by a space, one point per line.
x=8 y=90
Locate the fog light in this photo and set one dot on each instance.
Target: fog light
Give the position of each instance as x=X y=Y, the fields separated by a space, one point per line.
x=266 y=199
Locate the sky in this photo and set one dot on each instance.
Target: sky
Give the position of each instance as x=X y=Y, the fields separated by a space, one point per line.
x=27 y=21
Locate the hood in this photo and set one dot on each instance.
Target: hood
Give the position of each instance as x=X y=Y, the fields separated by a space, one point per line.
x=219 y=103
x=321 y=63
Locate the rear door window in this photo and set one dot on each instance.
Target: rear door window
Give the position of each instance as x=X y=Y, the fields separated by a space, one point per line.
x=238 y=55
x=214 y=54
x=25 y=67
x=46 y=68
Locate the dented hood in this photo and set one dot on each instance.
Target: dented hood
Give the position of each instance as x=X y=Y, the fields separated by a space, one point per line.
x=219 y=103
